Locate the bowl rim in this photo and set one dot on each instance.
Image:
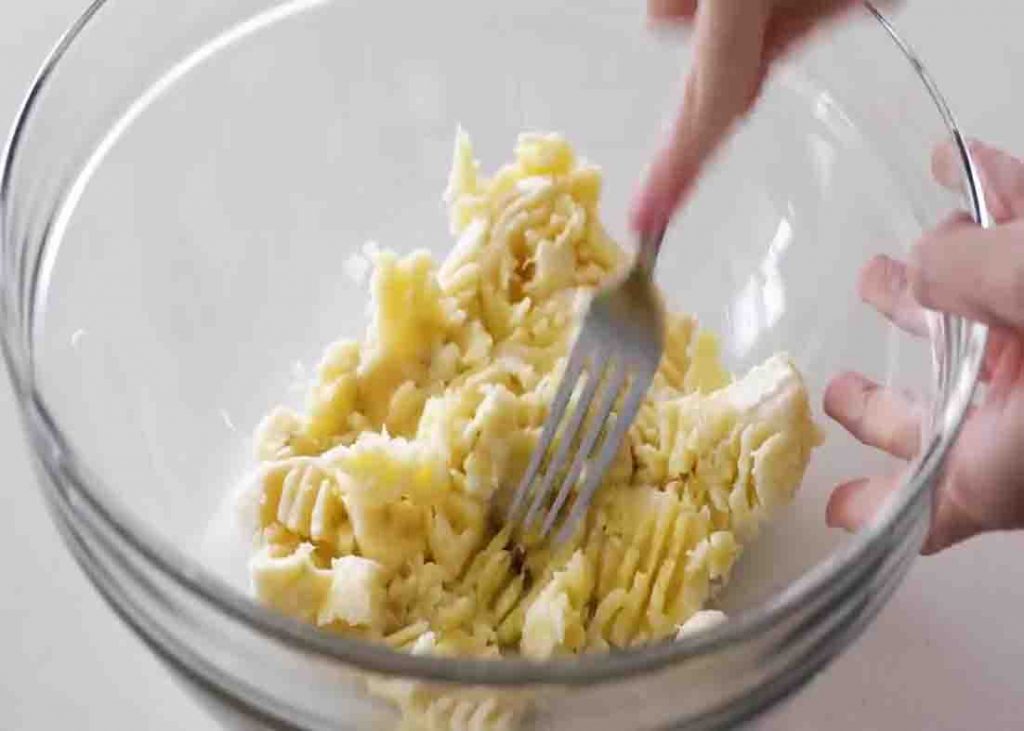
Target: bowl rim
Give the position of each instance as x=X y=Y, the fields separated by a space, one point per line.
x=189 y=575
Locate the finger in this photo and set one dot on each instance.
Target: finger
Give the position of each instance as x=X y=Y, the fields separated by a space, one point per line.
x=1005 y=363
x=792 y=23
x=1002 y=176
x=875 y=416
x=853 y=504
x=670 y=10
x=998 y=340
x=726 y=75
x=966 y=270
x=885 y=285
x=950 y=525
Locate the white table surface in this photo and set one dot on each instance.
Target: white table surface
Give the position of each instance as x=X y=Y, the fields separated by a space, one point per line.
x=946 y=653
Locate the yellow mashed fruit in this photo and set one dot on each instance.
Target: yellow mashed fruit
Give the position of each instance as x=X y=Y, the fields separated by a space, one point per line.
x=379 y=506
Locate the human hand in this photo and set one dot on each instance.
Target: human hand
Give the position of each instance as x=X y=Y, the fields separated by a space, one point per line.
x=735 y=43
x=977 y=273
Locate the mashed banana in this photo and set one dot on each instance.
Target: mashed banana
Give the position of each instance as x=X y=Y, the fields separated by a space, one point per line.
x=378 y=505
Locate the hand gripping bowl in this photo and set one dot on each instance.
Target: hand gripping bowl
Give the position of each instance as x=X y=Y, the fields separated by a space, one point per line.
x=181 y=191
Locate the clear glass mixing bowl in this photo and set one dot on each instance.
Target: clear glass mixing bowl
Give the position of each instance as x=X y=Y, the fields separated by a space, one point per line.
x=180 y=194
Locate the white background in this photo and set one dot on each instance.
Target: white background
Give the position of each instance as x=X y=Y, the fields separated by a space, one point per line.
x=947 y=653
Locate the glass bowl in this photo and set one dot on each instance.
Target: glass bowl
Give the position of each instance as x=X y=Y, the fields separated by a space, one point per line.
x=180 y=194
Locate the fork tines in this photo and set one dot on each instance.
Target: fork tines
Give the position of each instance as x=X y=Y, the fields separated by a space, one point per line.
x=597 y=375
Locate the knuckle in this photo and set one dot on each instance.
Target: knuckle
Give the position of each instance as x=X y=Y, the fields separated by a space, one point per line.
x=891 y=439
x=868 y=280
x=893 y=276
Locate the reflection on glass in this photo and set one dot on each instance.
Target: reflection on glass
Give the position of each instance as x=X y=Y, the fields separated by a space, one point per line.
x=823 y=159
x=762 y=300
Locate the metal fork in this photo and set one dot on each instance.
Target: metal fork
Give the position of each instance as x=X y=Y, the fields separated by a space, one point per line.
x=613 y=360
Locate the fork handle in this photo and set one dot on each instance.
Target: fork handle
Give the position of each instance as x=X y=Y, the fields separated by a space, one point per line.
x=650 y=245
